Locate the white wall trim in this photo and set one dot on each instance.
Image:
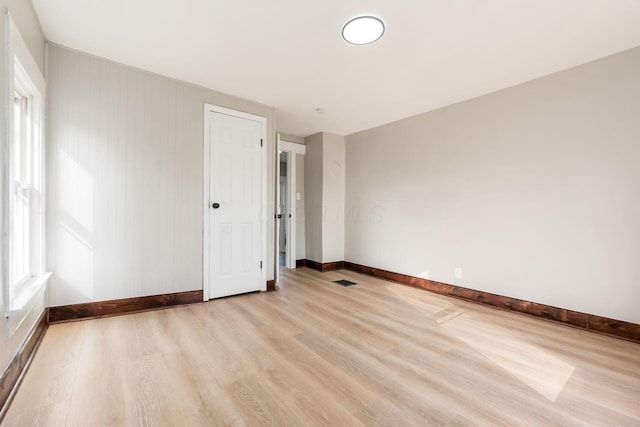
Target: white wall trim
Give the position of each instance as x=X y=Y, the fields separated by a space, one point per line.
x=18 y=303
x=290 y=261
x=292 y=148
x=205 y=215
x=276 y=210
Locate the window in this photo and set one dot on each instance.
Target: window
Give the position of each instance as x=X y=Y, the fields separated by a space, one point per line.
x=23 y=254
x=23 y=188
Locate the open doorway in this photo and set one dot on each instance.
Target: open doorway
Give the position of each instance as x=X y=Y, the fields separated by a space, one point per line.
x=285 y=215
x=290 y=204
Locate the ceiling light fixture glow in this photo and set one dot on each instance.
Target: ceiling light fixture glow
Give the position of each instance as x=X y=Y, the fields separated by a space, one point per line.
x=363 y=30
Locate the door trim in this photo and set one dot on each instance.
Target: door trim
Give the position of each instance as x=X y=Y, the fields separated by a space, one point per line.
x=210 y=108
x=293 y=149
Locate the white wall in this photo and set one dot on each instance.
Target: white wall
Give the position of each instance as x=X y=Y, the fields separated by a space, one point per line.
x=291 y=138
x=125 y=171
x=532 y=190
x=333 y=191
x=313 y=198
x=324 y=183
x=29 y=27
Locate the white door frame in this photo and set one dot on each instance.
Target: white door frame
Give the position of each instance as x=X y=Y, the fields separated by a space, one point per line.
x=279 y=211
x=292 y=148
x=208 y=108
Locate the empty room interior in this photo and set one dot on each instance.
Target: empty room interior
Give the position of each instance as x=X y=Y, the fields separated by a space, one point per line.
x=331 y=213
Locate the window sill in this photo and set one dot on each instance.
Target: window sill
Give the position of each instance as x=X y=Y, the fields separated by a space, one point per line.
x=25 y=295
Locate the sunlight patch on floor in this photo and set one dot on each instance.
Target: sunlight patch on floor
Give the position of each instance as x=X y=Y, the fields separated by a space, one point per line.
x=535 y=367
x=408 y=295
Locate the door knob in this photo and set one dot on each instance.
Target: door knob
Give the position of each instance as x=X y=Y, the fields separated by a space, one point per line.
x=215 y=205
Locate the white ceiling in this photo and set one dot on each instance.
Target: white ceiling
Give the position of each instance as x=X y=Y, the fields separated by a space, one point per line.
x=289 y=54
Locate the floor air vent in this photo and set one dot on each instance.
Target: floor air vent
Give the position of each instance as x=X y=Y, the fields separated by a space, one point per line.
x=344 y=282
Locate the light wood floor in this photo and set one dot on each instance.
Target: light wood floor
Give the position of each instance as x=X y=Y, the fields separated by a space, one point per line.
x=316 y=353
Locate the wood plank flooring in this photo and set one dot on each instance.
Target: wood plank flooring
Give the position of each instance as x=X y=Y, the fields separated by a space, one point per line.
x=318 y=354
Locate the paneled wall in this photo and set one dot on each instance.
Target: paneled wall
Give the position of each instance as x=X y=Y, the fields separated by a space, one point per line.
x=125 y=179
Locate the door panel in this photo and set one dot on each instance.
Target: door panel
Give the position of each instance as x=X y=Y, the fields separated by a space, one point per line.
x=235 y=226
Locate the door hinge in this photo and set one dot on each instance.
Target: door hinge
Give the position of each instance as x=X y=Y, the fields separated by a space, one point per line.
x=260 y=265
x=260 y=142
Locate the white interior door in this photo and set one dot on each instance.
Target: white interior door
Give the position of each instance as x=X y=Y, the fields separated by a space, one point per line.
x=286 y=202
x=289 y=218
x=235 y=205
x=283 y=212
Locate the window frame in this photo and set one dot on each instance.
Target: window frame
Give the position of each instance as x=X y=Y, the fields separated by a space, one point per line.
x=22 y=77
x=22 y=165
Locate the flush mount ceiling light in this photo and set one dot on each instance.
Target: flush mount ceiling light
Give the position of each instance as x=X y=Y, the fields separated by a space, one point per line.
x=363 y=30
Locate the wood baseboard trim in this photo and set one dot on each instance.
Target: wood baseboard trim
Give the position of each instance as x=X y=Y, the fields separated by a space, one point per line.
x=327 y=266
x=271 y=285
x=65 y=313
x=12 y=377
x=617 y=328
x=313 y=264
x=301 y=263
